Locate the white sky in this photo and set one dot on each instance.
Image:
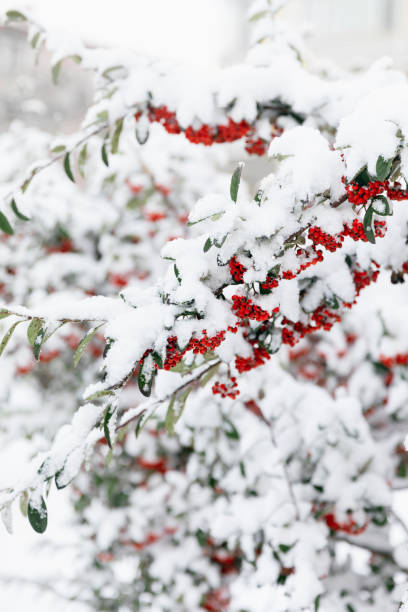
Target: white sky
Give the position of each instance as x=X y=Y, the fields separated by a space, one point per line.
x=210 y=30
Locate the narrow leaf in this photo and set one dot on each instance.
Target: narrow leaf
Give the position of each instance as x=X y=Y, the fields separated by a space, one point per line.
x=55 y=72
x=35 y=39
x=4 y=314
x=17 y=212
x=24 y=503
x=207 y=245
x=235 y=181
x=7 y=336
x=110 y=411
x=177 y=273
x=5 y=225
x=37 y=515
x=170 y=417
x=104 y=155
x=211 y=372
x=79 y=351
x=116 y=136
x=67 y=168
x=83 y=156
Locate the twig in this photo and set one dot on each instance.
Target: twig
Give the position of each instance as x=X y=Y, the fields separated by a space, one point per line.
x=192 y=381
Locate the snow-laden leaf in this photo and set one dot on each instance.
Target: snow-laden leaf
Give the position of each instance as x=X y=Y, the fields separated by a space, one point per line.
x=37 y=513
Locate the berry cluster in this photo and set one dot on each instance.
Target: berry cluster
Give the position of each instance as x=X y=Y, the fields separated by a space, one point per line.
x=237 y=270
x=226 y=390
x=349 y=526
x=256 y=146
x=356 y=231
x=360 y=195
x=198 y=345
x=206 y=134
x=400 y=359
x=363 y=278
x=209 y=134
x=260 y=356
x=329 y=242
x=321 y=318
x=244 y=308
x=396 y=193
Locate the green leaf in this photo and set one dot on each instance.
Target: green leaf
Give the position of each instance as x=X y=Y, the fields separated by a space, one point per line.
x=5 y=225
x=332 y=302
x=170 y=418
x=99 y=394
x=110 y=411
x=362 y=177
x=37 y=516
x=55 y=72
x=36 y=335
x=317 y=603
x=104 y=155
x=83 y=156
x=146 y=375
x=7 y=336
x=141 y=422
x=116 y=136
x=259 y=15
x=207 y=245
x=24 y=503
x=58 y=149
x=177 y=273
x=35 y=39
x=4 y=314
x=17 y=212
x=15 y=16
x=219 y=243
x=383 y=168
x=384 y=209
x=258 y=196
x=158 y=359
x=67 y=168
x=231 y=431
x=211 y=372
x=235 y=181
x=33 y=329
x=285 y=547
x=368 y=225
x=79 y=351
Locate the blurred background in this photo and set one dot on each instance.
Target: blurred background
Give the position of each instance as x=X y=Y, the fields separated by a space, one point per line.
x=207 y=33
x=203 y=32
